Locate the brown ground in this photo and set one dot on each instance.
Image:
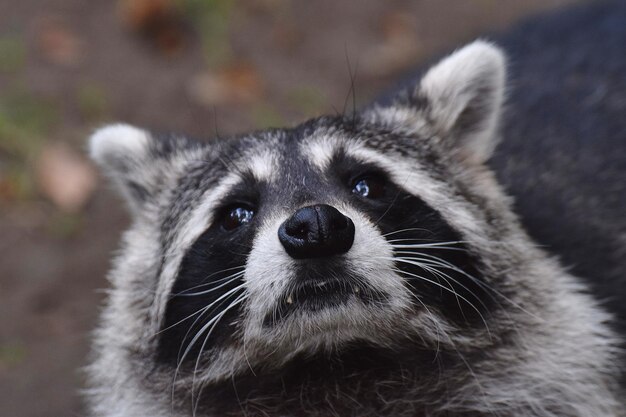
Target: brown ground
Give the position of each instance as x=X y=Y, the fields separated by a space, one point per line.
x=69 y=65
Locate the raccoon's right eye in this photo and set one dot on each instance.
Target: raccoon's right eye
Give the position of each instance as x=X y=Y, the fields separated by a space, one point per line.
x=369 y=186
x=237 y=216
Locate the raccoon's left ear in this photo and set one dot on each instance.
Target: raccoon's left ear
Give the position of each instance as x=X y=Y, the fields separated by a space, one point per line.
x=460 y=98
x=464 y=94
x=137 y=162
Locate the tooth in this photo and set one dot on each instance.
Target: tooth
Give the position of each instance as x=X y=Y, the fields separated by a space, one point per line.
x=289 y=299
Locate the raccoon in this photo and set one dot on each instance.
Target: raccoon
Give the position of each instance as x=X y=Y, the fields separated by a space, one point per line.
x=369 y=264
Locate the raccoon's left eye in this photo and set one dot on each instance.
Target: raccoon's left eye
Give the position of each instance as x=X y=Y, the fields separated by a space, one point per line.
x=369 y=187
x=237 y=216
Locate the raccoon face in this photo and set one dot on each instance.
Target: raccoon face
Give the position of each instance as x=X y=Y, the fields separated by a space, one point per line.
x=378 y=229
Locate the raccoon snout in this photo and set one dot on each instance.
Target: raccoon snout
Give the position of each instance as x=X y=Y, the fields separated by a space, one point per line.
x=316 y=231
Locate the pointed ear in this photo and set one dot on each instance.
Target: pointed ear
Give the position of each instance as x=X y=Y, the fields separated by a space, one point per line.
x=133 y=159
x=463 y=96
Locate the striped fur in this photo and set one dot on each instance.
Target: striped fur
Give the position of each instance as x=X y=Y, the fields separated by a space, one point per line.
x=500 y=328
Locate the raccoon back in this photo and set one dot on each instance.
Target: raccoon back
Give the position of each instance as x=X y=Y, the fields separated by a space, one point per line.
x=562 y=154
x=563 y=149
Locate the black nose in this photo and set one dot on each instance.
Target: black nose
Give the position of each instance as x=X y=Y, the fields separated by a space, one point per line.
x=316 y=231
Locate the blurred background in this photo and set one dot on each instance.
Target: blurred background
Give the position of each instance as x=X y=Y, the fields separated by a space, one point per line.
x=202 y=67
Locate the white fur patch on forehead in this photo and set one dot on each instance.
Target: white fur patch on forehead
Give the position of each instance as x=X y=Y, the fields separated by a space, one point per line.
x=412 y=122
x=263 y=165
x=110 y=143
x=319 y=150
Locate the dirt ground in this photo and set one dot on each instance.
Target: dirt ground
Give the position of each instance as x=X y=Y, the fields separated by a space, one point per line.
x=201 y=67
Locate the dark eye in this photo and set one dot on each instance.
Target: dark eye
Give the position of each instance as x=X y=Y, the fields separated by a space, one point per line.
x=237 y=216
x=369 y=187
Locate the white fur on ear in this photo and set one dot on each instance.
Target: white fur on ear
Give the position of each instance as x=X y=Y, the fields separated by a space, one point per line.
x=112 y=144
x=465 y=92
x=124 y=153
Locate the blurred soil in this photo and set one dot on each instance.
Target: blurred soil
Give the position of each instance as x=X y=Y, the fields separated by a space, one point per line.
x=196 y=66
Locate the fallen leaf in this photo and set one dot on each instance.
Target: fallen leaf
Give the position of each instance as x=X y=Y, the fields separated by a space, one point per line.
x=59 y=44
x=65 y=177
x=397 y=24
x=207 y=89
x=244 y=81
x=399 y=46
x=16 y=185
x=238 y=83
x=141 y=14
x=160 y=21
x=287 y=36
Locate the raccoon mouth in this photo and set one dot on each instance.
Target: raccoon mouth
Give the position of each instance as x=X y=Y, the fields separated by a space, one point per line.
x=312 y=297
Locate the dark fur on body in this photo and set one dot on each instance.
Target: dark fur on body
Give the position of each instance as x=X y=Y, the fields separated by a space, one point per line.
x=563 y=156
x=494 y=326
x=569 y=134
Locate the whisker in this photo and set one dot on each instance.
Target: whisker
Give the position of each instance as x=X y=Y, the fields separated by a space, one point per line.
x=212 y=282
x=484 y=285
x=232 y=278
x=180 y=359
x=200 y=311
x=203 y=310
x=411 y=229
x=446 y=289
x=430 y=266
x=434 y=319
x=216 y=320
x=442 y=245
x=198 y=334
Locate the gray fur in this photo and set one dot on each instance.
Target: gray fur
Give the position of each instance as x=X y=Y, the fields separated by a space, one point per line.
x=547 y=352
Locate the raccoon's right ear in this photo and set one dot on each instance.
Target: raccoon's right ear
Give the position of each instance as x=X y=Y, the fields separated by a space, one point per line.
x=133 y=159
x=460 y=99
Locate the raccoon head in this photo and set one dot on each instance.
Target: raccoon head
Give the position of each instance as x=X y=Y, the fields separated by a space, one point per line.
x=345 y=252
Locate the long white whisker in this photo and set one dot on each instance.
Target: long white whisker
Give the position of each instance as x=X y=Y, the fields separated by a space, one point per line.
x=181 y=359
x=434 y=319
x=437 y=245
x=430 y=267
x=432 y=263
x=445 y=277
x=220 y=300
x=491 y=292
x=215 y=281
x=484 y=285
x=213 y=323
x=406 y=230
x=200 y=311
x=231 y=278
x=446 y=289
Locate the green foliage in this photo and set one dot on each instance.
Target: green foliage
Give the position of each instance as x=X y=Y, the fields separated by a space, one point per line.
x=212 y=18
x=92 y=101
x=12 y=54
x=12 y=354
x=64 y=225
x=309 y=101
x=266 y=116
x=24 y=120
